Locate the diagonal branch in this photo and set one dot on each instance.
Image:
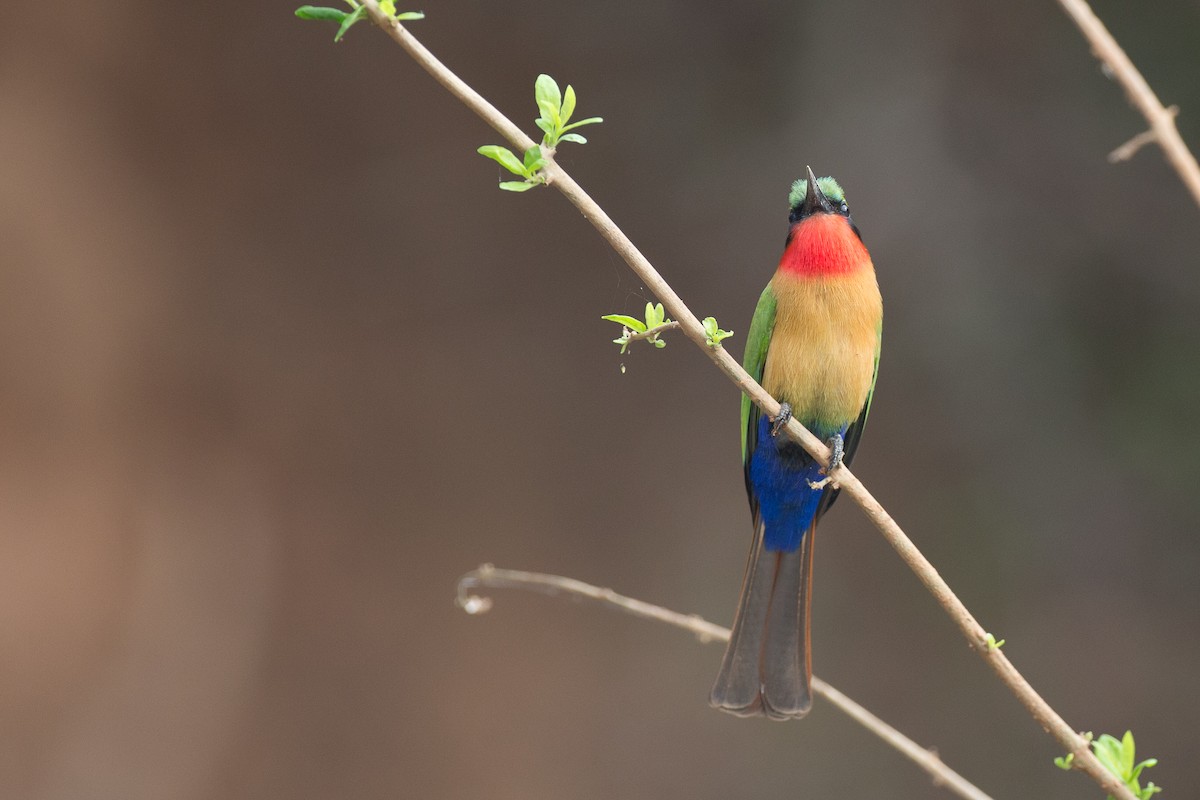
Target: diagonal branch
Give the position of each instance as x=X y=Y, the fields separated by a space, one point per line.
x=1039 y=709
x=1141 y=96
x=489 y=576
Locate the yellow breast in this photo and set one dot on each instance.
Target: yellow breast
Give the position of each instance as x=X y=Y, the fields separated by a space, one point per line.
x=822 y=354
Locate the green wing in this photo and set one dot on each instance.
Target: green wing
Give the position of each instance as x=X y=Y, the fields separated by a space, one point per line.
x=757 y=342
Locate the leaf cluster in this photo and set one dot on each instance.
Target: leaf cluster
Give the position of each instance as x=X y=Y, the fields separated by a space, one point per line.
x=713 y=335
x=655 y=324
x=633 y=328
x=1118 y=757
x=347 y=19
x=555 y=109
x=527 y=167
x=555 y=113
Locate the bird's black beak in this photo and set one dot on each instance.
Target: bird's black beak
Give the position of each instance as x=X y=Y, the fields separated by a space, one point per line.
x=815 y=200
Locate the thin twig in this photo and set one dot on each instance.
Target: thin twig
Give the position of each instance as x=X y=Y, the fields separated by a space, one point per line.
x=652 y=333
x=1038 y=708
x=488 y=576
x=1141 y=96
x=1130 y=148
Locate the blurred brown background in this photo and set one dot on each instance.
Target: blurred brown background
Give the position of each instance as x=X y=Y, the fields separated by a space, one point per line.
x=278 y=363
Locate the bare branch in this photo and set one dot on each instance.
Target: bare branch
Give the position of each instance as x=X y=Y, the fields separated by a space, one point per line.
x=488 y=576
x=1038 y=708
x=1141 y=96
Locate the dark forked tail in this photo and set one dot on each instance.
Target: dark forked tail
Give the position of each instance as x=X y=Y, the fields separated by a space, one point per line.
x=767 y=670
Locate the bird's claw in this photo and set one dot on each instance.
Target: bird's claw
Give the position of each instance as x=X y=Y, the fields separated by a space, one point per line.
x=781 y=419
x=837 y=451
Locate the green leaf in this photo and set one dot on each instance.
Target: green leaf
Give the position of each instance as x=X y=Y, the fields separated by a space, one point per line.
x=1108 y=750
x=549 y=100
x=321 y=13
x=629 y=322
x=545 y=90
x=550 y=114
x=504 y=157
x=359 y=13
x=1064 y=762
x=568 y=104
x=713 y=335
x=660 y=343
x=407 y=15
x=547 y=125
x=572 y=137
x=517 y=186
x=582 y=122
x=388 y=7
x=1149 y=762
x=1127 y=748
x=533 y=160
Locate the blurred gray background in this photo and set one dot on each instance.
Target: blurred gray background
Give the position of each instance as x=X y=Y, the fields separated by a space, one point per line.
x=278 y=363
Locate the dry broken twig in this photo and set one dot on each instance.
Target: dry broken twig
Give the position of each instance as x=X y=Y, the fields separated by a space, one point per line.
x=488 y=576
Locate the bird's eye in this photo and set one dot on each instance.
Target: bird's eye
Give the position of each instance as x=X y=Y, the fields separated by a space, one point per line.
x=845 y=208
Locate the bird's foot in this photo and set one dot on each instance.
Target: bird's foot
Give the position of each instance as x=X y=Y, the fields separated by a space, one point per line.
x=781 y=419
x=837 y=451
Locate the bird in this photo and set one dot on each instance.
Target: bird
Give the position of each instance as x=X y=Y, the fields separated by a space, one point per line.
x=814 y=346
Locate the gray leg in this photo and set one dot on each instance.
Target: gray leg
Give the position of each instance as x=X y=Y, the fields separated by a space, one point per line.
x=838 y=447
x=785 y=413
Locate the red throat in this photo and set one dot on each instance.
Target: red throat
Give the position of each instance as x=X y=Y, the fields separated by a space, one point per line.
x=823 y=244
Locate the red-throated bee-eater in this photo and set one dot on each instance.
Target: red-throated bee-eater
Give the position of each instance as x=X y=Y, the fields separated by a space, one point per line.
x=814 y=346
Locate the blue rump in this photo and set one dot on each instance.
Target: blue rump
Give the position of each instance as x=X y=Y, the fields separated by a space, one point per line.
x=780 y=471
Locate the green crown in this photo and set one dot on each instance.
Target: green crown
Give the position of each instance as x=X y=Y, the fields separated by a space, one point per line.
x=831 y=188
